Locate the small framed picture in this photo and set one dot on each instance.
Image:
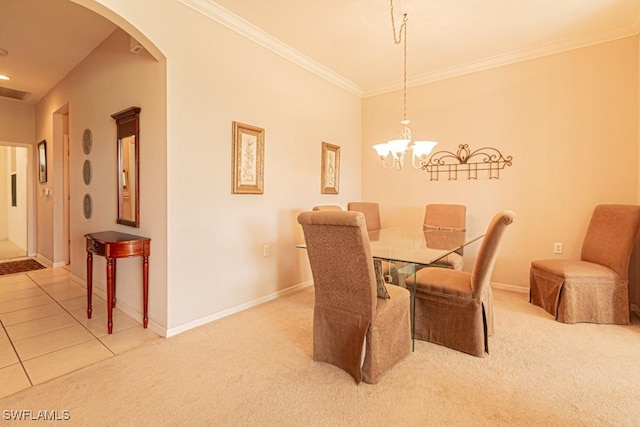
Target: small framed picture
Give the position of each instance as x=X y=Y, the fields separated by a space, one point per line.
x=248 y=159
x=330 y=175
x=42 y=161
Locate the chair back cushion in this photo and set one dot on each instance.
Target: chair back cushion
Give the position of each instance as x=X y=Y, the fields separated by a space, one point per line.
x=488 y=252
x=445 y=217
x=371 y=211
x=327 y=208
x=611 y=237
x=341 y=262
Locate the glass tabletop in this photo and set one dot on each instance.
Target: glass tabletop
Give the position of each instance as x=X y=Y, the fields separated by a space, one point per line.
x=423 y=248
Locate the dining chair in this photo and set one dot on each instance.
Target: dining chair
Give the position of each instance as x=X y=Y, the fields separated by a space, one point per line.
x=353 y=329
x=454 y=308
x=327 y=208
x=371 y=211
x=445 y=217
x=594 y=288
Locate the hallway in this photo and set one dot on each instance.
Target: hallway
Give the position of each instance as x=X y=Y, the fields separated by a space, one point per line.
x=10 y=252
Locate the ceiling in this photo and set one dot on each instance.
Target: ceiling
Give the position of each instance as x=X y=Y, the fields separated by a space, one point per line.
x=352 y=38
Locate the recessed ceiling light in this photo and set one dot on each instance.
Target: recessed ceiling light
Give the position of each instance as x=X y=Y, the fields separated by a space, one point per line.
x=3 y=77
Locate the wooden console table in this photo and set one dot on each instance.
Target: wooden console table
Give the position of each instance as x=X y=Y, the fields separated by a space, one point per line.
x=113 y=245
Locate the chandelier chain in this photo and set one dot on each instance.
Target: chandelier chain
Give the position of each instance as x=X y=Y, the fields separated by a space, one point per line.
x=397 y=39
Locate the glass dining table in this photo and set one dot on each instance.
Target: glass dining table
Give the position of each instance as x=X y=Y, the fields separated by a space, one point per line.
x=406 y=251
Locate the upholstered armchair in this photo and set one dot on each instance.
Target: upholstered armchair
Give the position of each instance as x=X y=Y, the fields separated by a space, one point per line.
x=445 y=218
x=327 y=208
x=371 y=211
x=455 y=308
x=353 y=329
x=594 y=288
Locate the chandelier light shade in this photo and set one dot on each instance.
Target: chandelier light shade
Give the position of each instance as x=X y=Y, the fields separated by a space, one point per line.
x=396 y=148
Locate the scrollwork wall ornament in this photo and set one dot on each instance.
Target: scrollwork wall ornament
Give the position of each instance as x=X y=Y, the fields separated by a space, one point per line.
x=464 y=160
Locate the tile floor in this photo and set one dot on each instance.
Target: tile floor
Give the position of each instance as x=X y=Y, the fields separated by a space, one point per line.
x=10 y=251
x=45 y=333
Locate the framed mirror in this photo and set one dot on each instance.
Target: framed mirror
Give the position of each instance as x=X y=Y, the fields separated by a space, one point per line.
x=128 y=143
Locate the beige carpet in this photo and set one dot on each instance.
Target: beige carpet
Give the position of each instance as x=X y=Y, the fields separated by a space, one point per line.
x=255 y=368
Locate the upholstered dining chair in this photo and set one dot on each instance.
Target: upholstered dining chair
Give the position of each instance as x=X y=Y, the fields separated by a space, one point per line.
x=594 y=288
x=353 y=329
x=445 y=217
x=455 y=308
x=371 y=211
x=327 y=208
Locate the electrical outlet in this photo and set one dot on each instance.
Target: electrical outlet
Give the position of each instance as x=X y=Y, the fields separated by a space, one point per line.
x=557 y=248
x=265 y=250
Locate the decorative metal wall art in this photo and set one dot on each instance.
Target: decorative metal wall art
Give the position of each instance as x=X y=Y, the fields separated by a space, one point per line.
x=464 y=160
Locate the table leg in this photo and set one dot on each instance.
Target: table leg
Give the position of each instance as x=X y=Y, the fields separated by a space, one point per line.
x=114 y=282
x=145 y=290
x=89 y=282
x=110 y=295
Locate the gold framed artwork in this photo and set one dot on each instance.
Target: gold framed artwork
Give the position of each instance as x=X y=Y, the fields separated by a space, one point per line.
x=330 y=175
x=248 y=159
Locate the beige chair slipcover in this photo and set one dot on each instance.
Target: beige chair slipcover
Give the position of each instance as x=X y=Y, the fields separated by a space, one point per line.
x=348 y=318
x=595 y=288
x=327 y=208
x=371 y=211
x=455 y=308
x=445 y=217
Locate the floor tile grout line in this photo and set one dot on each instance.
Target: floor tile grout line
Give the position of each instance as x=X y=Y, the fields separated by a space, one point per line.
x=17 y=354
x=74 y=318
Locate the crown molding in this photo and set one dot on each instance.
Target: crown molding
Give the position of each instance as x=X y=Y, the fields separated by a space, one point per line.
x=224 y=17
x=512 y=57
x=234 y=22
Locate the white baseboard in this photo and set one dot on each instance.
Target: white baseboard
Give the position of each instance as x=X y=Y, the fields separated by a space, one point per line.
x=199 y=322
x=44 y=261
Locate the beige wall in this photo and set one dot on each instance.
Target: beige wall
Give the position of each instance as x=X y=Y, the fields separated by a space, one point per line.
x=570 y=123
x=109 y=80
x=16 y=122
x=214 y=239
x=568 y=120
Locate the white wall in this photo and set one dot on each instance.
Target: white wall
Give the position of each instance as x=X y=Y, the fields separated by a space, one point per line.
x=5 y=192
x=569 y=121
x=17 y=215
x=17 y=128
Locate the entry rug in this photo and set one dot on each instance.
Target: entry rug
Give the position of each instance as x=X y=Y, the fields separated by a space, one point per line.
x=12 y=267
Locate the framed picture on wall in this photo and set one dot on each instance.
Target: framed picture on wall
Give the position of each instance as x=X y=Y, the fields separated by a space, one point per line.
x=42 y=161
x=330 y=174
x=248 y=159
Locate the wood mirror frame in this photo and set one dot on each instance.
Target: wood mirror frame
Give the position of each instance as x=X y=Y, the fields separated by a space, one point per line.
x=128 y=143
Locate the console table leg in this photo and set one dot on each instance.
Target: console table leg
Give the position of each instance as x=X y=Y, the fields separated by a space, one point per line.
x=145 y=290
x=110 y=295
x=114 y=282
x=89 y=282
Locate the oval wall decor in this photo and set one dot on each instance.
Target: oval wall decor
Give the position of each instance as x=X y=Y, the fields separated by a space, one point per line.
x=87 y=206
x=87 y=141
x=86 y=172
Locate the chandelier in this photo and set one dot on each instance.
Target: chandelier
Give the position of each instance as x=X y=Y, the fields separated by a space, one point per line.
x=396 y=148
